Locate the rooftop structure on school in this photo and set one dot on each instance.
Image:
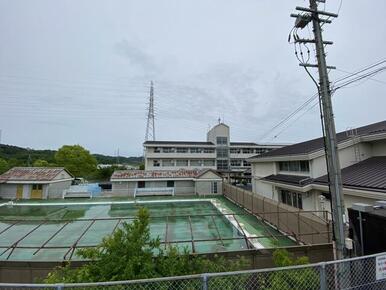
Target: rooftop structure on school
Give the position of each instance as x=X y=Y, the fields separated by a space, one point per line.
x=297 y=175
x=217 y=152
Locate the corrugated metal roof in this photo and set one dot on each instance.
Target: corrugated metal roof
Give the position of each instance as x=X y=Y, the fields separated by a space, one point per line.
x=177 y=143
x=318 y=144
x=368 y=174
x=31 y=174
x=150 y=174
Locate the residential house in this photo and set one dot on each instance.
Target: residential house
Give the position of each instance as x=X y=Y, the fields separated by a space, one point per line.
x=297 y=174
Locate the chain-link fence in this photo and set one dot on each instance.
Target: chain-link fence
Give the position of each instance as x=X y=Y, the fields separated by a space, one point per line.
x=362 y=273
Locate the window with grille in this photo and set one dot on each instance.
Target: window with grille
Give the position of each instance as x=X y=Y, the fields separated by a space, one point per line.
x=291 y=198
x=222 y=153
x=182 y=162
x=221 y=140
x=295 y=166
x=222 y=165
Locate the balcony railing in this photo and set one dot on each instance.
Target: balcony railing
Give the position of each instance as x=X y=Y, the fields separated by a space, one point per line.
x=148 y=191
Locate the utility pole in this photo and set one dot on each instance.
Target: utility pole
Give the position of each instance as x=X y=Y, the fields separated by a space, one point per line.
x=308 y=15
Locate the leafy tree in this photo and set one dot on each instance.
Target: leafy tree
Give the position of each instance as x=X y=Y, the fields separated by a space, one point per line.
x=300 y=279
x=105 y=173
x=142 y=166
x=131 y=253
x=3 y=166
x=40 y=163
x=77 y=160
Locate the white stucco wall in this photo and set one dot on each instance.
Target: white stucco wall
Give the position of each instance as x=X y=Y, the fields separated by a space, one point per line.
x=260 y=170
x=379 y=148
x=264 y=189
x=8 y=191
x=221 y=130
x=346 y=158
x=55 y=190
x=204 y=187
x=123 y=188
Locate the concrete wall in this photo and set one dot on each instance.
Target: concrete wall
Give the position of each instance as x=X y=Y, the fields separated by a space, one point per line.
x=127 y=188
x=346 y=158
x=184 y=187
x=204 y=187
x=29 y=272
x=8 y=191
x=220 y=130
x=55 y=190
x=349 y=200
x=379 y=148
x=123 y=188
x=260 y=170
x=263 y=189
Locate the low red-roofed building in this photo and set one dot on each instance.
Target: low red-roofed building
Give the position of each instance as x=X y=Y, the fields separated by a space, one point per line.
x=166 y=182
x=34 y=182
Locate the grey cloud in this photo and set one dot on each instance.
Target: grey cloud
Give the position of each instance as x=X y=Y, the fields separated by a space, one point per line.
x=137 y=56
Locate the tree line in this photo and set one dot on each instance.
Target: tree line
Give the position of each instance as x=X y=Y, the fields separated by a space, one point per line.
x=76 y=159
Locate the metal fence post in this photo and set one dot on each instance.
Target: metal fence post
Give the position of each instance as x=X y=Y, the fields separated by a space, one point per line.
x=59 y=286
x=322 y=276
x=204 y=282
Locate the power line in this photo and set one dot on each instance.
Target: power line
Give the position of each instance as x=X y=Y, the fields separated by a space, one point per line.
x=313 y=97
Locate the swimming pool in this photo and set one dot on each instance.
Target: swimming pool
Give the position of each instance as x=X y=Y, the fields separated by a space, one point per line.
x=52 y=231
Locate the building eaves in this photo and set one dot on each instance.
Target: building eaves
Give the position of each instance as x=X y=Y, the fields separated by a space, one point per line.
x=289 y=179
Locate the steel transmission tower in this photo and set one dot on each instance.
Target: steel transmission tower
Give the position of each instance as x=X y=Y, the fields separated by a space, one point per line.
x=306 y=16
x=150 y=128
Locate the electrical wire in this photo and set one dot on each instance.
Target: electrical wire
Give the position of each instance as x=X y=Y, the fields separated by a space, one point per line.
x=340 y=83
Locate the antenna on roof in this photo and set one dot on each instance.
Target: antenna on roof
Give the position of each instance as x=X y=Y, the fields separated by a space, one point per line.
x=219 y=120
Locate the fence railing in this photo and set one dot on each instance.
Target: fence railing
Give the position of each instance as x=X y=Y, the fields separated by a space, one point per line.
x=153 y=191
x=365 y=273
x=309 y=227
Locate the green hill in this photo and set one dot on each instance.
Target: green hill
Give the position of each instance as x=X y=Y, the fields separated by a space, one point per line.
x=19 y=156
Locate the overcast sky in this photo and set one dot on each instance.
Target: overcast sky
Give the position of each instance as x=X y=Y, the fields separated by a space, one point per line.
x=78 y=72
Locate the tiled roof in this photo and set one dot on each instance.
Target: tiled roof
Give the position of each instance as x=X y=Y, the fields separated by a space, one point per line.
x=368 y=174
x=318 y=144
x=30 y=174
x=177 y=143
x=289 y=179
x=150 y=174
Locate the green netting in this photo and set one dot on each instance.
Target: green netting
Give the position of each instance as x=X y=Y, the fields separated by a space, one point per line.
x=57 y=228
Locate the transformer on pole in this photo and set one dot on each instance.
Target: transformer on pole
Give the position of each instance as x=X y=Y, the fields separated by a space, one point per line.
x=305 y=17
